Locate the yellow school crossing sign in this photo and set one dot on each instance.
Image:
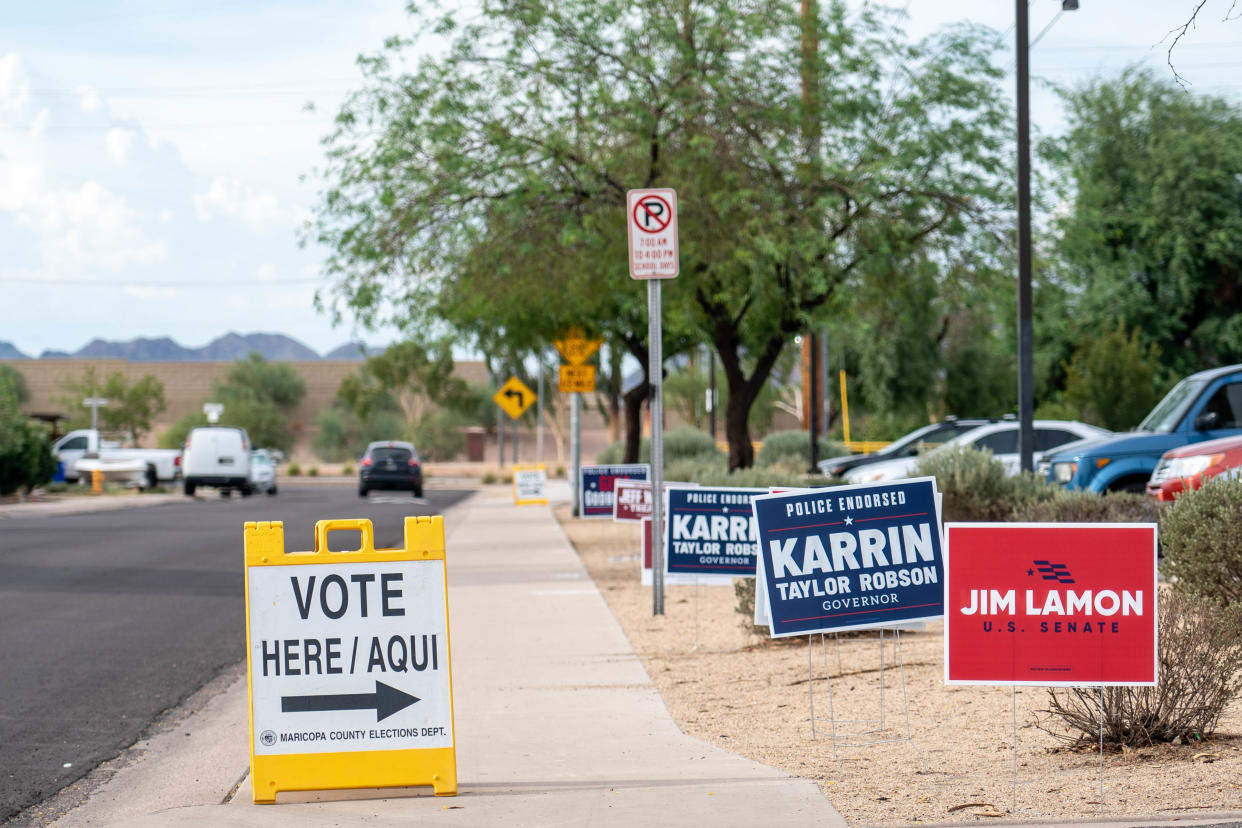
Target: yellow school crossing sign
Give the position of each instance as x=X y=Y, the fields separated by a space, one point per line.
x=576 y=348
x=514 y=397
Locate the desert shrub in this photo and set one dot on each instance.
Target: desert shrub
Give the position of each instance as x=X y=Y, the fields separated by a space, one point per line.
x=559 y=471
x=744 y=592
x=347 y=469
x=1201 y=537
x=681 y=443
x=294 y=470
x=1199 y=652
x=716 y=473
x=439 y=436
x=975 y=486
x=488 y=477
x=793 y=449
x=1065 y=506
x=313 y=471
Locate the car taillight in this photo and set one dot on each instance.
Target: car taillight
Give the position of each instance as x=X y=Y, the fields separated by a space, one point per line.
x=177 y=460
x=413 y=463
x=366 y=461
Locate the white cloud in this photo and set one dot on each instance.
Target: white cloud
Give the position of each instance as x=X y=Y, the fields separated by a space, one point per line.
x=39 y=125
x=266 y=272
x=88 y=98
x=233 y=199
x=119 y=142
x=14 y=85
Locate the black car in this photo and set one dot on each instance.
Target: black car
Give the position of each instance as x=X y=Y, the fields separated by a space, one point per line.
x=928 y=436
x=390 y=465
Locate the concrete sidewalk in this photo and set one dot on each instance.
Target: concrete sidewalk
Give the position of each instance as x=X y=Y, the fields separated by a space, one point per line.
x=557 y=721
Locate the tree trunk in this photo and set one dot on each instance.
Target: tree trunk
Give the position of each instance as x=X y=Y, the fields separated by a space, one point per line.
x=614 y=393
x=737 y=432
x=634 y=400
x=743 y=390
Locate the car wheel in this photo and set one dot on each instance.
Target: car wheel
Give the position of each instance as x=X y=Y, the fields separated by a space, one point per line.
x=189 y=488
x=224 y=493
x=246 y=491
x=362 y=491
x=418 y=490
x=271 y=492
x=153 y=479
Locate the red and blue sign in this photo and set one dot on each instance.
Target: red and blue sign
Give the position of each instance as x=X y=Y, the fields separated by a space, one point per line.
x=709 y=532
x=1071 y=604
x=596 y=494
x=851 y=557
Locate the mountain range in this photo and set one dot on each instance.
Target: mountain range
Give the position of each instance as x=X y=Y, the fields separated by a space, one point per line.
x=271 y=346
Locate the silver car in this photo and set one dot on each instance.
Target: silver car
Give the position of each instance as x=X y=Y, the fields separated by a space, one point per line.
x=262 y=472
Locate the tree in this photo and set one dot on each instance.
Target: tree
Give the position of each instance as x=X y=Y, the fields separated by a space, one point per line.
x=257 y=395
x=1152 y=236
x=1113 y=380
x=410 y=373
x=26 y=457
x=503 y=160
x=131 y=408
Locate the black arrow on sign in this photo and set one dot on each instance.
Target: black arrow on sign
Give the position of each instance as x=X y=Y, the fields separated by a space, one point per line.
x=514 y=392
x=385 y=701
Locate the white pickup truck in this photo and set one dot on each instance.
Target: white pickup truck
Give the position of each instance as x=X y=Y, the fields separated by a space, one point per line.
x=162 y=464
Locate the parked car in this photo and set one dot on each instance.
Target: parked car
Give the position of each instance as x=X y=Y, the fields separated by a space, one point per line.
x=1203 y=406
x=158 y=464
x=920 y=440
x=1189 y=467
x=217 y=456
x=390 y=465
x=262 y=471
x=1001 y=438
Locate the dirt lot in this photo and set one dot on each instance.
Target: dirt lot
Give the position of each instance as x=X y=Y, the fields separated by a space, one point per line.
x=751 y=696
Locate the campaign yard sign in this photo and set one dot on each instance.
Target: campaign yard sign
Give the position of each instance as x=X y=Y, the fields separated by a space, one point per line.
x=597 y=485
x=709 y=533
x=632 y=500
x=851 y=557
x=1071 y=604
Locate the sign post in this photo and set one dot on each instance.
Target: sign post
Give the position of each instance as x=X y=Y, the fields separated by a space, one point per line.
x=347 y=661
x=651 y=229
x=94 y=404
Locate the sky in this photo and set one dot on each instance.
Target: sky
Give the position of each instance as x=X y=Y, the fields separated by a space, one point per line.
x=157 y=158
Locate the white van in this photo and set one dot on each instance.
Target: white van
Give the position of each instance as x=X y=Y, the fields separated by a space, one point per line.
x=217 y=456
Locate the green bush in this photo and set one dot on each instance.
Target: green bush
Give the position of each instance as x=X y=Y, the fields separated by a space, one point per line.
x=294 y=470
x=716 y=473
x=439 y=436
x=1201 y=536
x=976 y=487
x=347 y=469
x=793 y=449
x=313 y=471
x=26 y=457
x=681 y=443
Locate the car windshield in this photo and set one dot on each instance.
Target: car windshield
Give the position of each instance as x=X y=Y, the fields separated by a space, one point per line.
x=260 y=460
x=1169 y=412
x=925 y=438
x=397 y=455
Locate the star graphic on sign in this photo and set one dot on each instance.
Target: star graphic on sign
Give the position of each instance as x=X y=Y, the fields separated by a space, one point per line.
x=1030 y=572
x=849 y=521
x=724 y=509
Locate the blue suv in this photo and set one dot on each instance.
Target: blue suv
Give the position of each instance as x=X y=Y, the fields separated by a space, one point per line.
x=1201 y=407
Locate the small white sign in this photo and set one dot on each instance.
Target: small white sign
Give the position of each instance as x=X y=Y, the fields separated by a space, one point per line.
x=651 y=226
x=530 y=485
x=349 y=657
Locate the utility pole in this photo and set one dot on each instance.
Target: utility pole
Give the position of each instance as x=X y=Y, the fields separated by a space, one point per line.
x=1026 y=369
x=811 y=402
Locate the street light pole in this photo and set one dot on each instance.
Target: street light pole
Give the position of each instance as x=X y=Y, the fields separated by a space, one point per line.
x=1026 y=370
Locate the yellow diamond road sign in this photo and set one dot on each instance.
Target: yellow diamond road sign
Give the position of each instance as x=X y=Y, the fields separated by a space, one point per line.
x=577 y=379
x=514 y=397
x=576 y=348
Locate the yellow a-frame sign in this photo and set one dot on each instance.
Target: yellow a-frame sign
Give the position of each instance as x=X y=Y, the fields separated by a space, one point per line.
x=347 y=662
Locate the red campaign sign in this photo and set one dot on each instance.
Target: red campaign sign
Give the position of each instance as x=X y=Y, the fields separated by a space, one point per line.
x=632 y=501
x=1050 y=604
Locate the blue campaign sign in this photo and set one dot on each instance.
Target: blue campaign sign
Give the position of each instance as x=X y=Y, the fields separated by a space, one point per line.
x=851 y=557
x=709 y=532
x=595 y=486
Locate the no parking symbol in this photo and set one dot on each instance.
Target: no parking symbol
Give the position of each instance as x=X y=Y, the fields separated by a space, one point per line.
x=652 y=230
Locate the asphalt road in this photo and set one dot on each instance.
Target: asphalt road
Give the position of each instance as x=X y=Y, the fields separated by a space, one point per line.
x=110 y=618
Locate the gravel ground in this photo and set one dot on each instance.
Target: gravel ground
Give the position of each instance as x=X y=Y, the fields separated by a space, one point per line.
x=751 y=696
